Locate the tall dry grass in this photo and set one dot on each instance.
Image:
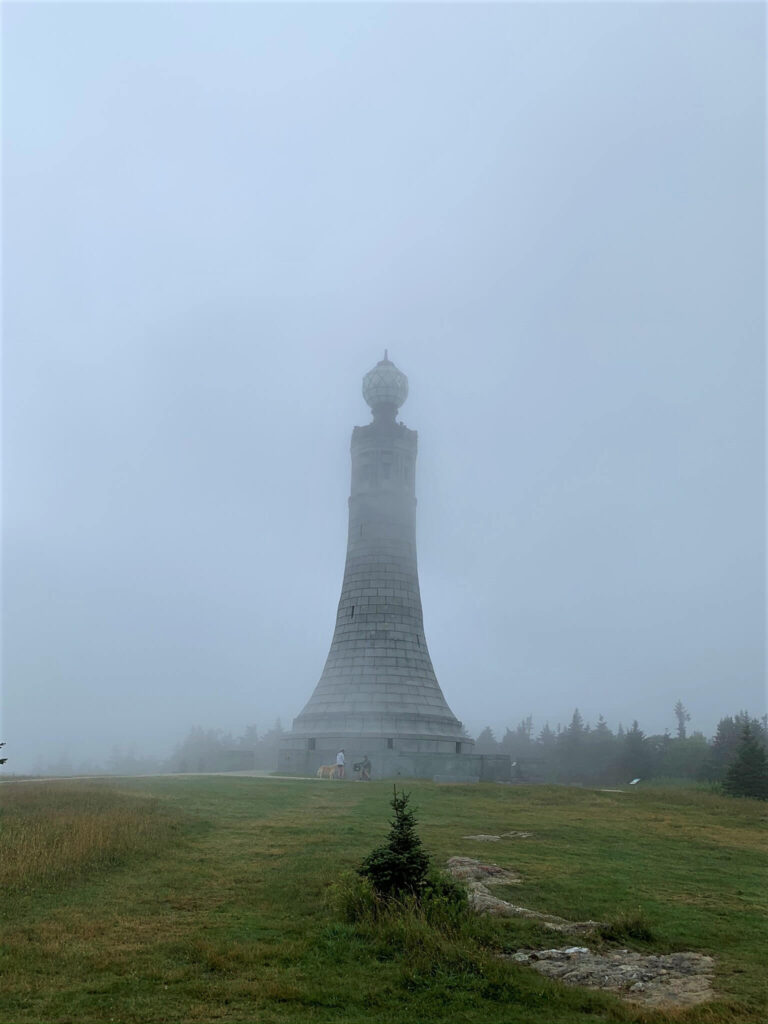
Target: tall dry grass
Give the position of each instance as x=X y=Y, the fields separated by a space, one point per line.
x=51 y=833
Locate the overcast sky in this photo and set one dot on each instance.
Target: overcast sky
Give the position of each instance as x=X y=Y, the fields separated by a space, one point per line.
x=216 y=217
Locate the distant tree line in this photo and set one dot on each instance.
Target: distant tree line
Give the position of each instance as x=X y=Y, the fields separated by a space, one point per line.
x=736 y=757
x=581 y=752
x=201 y=750
x=213 y=750
x=587 y=753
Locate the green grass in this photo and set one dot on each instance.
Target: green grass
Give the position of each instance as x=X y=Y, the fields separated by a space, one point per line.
x=218 y=909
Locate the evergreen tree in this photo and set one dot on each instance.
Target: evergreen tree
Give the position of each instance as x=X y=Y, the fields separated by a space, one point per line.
x=726 y=742
x=268 y=746
x=250 y=738
x=682 y=717
x=682 y=759
x=747 y=774
x=486 y=742
x=601 y=729
x=524 y=731
x=657 y=747
x=602 y=750
x=400 y=867
x=507 y=742
x=202 y=750
x=519 y=743
x=576 y=728
x=634 y=756
x=572 y=754
x=546 y=750
x=546 y=737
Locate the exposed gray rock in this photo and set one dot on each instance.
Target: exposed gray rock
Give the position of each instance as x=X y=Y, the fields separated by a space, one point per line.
x=676 y=979
x=483 y=838
x=475 y=872
x=479 y=876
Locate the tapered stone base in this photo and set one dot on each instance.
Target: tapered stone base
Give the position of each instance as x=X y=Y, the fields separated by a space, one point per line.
x=296 y=758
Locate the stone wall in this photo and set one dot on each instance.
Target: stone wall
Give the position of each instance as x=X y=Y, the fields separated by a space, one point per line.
x=295 y=759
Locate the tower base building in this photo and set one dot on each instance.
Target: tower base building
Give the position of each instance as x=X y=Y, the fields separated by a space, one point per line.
x=378 y=696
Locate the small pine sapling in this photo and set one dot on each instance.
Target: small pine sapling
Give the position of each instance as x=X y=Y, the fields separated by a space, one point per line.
x=400 y=867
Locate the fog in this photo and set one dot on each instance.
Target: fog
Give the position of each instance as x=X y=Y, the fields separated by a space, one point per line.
x=216 y=217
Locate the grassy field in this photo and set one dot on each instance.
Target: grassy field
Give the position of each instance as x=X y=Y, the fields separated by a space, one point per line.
x=207 y=899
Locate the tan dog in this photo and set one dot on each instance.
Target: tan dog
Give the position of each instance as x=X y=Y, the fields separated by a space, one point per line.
x=326 y=771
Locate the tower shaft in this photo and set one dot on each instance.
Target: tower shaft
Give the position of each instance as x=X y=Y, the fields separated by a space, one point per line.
x=378 y=678
x=378 y=693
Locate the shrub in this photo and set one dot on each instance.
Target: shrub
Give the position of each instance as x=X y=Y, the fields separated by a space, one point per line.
x=627 y=925
x=355 y=899
x=441 y=908
x=439 y=886
x=444 y=901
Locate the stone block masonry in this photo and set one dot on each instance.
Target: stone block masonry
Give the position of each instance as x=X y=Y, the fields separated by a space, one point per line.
x=378 y=693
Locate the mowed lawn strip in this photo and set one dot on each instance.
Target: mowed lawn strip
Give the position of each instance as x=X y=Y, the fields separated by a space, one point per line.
x=228 y=918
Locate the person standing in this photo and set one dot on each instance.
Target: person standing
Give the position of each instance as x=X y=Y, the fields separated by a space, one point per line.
x=340 y=765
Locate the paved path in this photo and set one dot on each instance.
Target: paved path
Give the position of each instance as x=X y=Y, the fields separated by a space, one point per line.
x=169 y=775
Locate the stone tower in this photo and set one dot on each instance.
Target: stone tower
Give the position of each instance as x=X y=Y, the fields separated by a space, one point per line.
x=378 y=694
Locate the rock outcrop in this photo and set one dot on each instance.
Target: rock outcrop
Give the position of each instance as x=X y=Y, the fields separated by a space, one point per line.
x=675 y=979
x=479 y=876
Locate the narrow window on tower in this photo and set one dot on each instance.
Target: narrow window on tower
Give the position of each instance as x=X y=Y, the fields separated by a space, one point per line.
x=310 y=744
x=390 y=744
x=458 y=748
x=352 y=614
